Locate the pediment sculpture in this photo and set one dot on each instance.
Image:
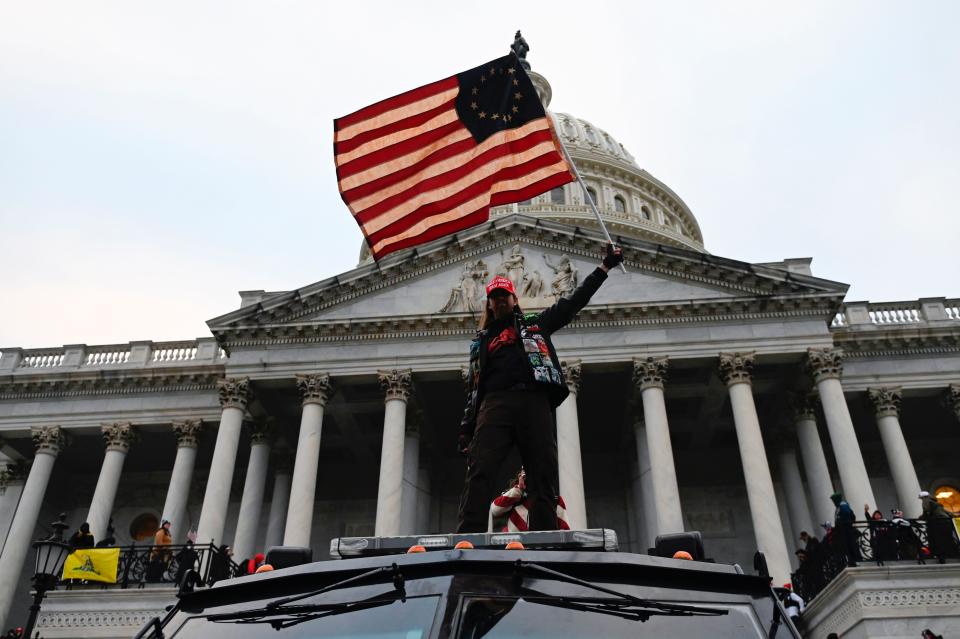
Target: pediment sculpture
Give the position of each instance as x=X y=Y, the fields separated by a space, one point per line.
x=468 y=294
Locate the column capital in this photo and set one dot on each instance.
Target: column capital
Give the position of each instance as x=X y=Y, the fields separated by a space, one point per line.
x=48 y=439
x=187 y=432
x=261 y=431
x=824 y=363
x=234 y=392
x=118 y=435
x=737 y=368
x=804 y=406
x=314 y=389
x=396 y=383
x=886 y=401
x=572 y=372
x=650 y=372
x=953 y=399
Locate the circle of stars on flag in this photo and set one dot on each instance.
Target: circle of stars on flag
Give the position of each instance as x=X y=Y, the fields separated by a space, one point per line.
x=495 y=75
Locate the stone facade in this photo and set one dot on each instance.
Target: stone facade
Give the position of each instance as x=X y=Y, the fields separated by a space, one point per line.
x=680 y=416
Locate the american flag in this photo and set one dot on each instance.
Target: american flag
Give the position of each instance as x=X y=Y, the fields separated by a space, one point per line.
x=432 y=161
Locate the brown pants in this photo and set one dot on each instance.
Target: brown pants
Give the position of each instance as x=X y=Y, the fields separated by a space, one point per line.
x=526 y=419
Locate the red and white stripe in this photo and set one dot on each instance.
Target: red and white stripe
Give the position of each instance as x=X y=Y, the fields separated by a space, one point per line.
x=518 y=519
x=411 y=172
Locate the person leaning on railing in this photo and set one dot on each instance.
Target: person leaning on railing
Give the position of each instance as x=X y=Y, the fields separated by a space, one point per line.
x=939 y=527
x=160 y=553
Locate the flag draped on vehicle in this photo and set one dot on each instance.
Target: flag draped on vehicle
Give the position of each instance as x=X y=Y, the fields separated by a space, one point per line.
x=432 y=161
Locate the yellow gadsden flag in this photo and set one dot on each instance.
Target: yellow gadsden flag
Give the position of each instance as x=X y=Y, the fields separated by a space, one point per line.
x=92 y=564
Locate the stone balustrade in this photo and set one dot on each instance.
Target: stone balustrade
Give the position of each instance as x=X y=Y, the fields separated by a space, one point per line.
x=549 y=210
x=905 y=313
x=73 y=357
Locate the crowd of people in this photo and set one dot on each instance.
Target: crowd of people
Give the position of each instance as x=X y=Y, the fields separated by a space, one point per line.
x=166 y=562
x=847 y=541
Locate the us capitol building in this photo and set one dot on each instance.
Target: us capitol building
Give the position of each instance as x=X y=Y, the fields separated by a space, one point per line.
x=707 y=394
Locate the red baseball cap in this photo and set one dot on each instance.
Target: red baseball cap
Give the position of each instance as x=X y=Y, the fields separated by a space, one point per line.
x=501 y=282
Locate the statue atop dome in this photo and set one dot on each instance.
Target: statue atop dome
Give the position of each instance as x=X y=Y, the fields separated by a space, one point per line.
x=520 y=48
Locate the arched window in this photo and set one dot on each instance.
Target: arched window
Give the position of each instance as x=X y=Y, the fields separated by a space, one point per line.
x=556 y=196
x=619 y=204
x=948 y=496
x=144 y=526
x=593 y=196
x=645 y=211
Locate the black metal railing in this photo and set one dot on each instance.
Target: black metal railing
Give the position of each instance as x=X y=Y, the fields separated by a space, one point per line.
x=143 y=565
x=874 y=541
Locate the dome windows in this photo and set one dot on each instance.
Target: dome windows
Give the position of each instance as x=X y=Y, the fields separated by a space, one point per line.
x=619 y=204
x=557 y=196
x=645 y=212
x=593 y=196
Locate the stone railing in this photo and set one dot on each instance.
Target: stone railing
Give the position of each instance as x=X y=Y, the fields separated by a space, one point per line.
x=548 y=210
x=914 y=312
x=73 y=357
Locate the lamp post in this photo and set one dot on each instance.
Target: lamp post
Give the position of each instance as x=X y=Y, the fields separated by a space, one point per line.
x=51 y=553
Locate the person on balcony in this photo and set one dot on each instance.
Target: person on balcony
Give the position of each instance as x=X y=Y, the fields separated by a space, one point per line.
x=883 y=539
x=843 y=531
x=159 y=554
x=186 y=560
x=939 y=527
x=83 y=538
x=810 y=543
x=908 y=543
x=110 y=539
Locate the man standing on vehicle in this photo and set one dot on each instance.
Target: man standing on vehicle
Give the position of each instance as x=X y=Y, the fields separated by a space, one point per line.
x=515 y=382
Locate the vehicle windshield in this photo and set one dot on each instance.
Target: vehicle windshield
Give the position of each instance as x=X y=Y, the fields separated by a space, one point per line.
x=397 y=619
x=533 y=618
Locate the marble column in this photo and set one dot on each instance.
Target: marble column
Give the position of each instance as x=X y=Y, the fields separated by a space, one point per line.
x=886 y=406
x=48 y=441
x=12 y=477
x=235 y=395
x=736 y=370
x=649 y=375
x=397 y=385
x=648 y=504
x=796 y=496
x=825 y=366
x=277 y=519
x=118 y=437
x=315 y=391
x=814 y=460
x=569 y=461
x=423 y=501
x=411 y=477
x=178 y=493
x=251 y=503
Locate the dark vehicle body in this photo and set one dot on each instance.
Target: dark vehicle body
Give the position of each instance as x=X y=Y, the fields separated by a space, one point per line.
x=484 y=593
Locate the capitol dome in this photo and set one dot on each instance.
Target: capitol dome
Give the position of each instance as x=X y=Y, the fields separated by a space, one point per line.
x=632 y=202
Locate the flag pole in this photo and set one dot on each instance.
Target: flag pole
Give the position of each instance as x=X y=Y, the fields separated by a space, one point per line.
x=586 y=193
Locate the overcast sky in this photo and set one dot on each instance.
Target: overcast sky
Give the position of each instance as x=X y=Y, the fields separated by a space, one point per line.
x=155 y=158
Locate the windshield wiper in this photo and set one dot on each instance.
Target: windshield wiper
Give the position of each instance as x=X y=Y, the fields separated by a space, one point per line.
x=660 y=606
x=273 y=610
x=287 y=616
x=613 y=606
